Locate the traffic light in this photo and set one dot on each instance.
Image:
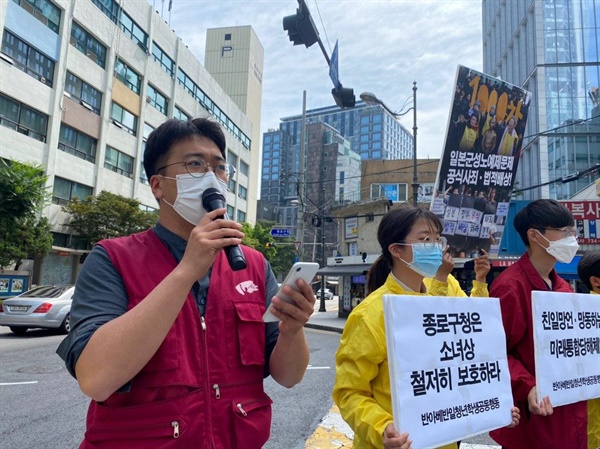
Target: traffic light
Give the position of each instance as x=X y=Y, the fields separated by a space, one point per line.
x=269 y=245
x=344 y=97
x=300 y=26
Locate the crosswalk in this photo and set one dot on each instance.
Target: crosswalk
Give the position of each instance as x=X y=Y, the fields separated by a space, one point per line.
x=333 y=433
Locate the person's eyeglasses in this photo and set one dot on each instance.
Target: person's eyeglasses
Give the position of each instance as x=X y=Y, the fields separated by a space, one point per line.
x=566 y=231
x=197 y=167
x=428 y=243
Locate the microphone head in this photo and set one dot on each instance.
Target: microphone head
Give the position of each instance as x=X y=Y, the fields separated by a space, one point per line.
x=213 y=199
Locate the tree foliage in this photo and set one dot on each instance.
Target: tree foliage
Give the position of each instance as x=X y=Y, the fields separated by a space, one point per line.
x=24 y=233
x=107 y=215
x=280 y=256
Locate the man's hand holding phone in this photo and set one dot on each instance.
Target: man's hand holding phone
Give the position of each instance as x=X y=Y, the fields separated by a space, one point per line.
x=295 y=301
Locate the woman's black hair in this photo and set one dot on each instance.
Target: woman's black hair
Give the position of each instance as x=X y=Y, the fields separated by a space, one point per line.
x=541 y=215
x=173 y=131
x=394 y=227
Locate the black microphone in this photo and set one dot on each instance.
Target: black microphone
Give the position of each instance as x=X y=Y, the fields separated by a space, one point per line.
x=213 y=199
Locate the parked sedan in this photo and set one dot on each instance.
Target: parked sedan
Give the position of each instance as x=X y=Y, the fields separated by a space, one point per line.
x=46 y=306
x=328 y=294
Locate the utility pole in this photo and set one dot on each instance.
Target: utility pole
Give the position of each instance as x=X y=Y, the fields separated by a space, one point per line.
x=415 y=185
x=301 y=190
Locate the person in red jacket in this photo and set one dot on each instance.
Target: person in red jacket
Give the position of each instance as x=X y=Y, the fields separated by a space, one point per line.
x=547 y=229
x=167 y=339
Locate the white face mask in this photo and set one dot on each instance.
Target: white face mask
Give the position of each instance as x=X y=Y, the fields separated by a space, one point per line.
x=188 y=203
x=564 y=249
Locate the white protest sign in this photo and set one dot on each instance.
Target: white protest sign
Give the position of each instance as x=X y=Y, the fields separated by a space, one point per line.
x=566 y=338
x=448 y=367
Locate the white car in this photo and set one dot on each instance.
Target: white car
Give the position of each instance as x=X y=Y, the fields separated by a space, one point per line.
x=328 y=294
x=46 y=306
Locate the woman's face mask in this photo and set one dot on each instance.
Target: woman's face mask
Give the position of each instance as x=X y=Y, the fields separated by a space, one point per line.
x=427 y=257
x=188 y=203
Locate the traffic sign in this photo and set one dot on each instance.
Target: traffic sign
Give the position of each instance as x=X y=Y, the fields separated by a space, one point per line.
x=333 y=68
x=281 y=232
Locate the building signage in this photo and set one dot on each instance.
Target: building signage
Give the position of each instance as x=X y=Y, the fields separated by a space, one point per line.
x=587 y=220
x=351 y=227
x=281 y=232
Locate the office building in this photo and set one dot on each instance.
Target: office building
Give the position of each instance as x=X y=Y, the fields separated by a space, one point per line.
x=234 y=57
x=550 y=48
x=83 y=84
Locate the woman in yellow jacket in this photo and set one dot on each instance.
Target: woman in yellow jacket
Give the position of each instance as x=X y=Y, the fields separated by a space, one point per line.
x=588 y=270
x=412 y=249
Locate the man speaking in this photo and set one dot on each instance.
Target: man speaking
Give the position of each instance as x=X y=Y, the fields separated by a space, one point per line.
x=171 y=353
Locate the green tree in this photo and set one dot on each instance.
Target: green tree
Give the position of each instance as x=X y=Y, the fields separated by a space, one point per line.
x=280 y=256
x=23 y=232
x=107 y=215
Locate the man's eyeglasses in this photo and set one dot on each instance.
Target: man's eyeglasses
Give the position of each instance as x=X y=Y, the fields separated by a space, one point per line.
x=566 y=231
x=197 y=167
x=429 y=244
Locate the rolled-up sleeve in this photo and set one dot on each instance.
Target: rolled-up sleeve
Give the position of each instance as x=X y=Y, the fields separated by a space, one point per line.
x=99 y=297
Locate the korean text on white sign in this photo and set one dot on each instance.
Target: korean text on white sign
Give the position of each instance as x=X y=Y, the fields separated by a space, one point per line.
x=449 y=376
x=566 y=338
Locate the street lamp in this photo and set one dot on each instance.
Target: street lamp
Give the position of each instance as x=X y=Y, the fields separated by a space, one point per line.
x=371 y=98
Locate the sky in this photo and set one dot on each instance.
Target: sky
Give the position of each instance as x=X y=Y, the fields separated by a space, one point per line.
x=384 y=45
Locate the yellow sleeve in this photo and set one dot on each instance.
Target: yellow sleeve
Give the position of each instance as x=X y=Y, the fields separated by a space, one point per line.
x=358 y=359
x=454 y=287
x=437 y=288
x=480 y=290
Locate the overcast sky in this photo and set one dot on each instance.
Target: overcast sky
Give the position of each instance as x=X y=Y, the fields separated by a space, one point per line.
x=384 y=45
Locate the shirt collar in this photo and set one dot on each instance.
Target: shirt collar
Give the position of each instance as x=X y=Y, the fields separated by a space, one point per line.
x=174 y=243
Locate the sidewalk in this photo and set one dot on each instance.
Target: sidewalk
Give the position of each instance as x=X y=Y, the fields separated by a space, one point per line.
x=332 y=432
x=327 y=321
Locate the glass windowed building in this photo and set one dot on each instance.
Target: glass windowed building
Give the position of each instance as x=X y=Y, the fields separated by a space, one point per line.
x=551 y=48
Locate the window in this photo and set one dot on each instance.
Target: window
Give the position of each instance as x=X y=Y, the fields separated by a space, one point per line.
x=23 y=119
x=88 y=45
x=165 y=62
x=43 y=10
x=232 y=159
x=28 y=59
x=230 y=210
x=342 y=177
x=204 y=100
x=243 y=168
x=227 y=36
x=180 y=115
x=148 y=209
x=241 y=216
x=123 y=119
x=118 y=162
x=145 y=134
x=76 y=143
x=243 y=192
x=82 y=92
x=64 y=191
x=110 y=8
x=133 y=31
x=128 y=76
x=231 y=185
x=156 y=99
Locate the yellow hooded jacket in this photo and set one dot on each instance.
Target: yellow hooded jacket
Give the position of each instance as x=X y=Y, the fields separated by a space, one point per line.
x=362 y=382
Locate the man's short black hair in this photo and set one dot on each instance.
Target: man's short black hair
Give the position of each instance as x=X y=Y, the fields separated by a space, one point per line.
x=173 y=131
x=542 y=214
x=589 y=266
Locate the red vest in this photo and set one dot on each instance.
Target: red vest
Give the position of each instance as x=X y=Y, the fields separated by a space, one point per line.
x=204 y=386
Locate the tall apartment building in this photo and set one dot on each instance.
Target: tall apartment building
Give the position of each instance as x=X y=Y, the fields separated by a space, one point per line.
x=332 y=175
x=370 y=132
x=551 y=48
x=234 y=57
x=82 y=85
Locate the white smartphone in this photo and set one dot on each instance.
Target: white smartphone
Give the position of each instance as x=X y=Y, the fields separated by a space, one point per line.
x=300 y=270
